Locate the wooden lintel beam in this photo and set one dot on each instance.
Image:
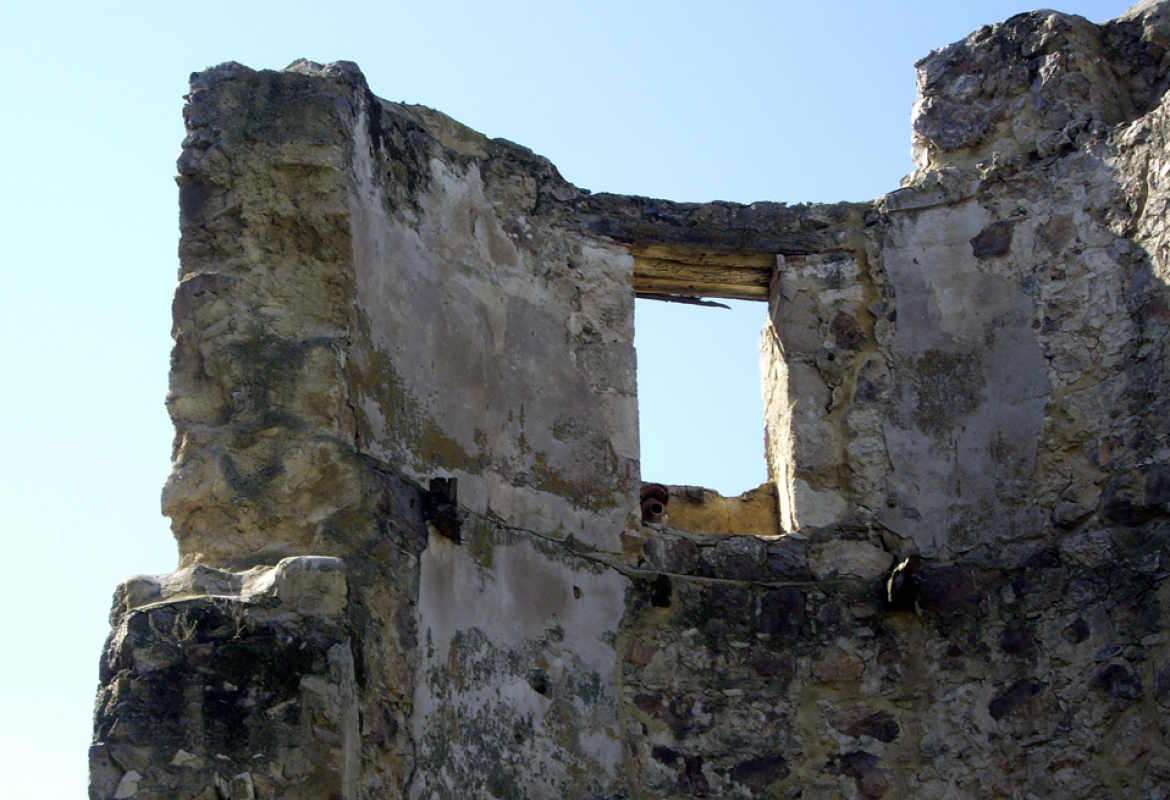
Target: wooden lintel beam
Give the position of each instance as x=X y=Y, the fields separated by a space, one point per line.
x=699 y=273
x=700 y=289
x=703 y=273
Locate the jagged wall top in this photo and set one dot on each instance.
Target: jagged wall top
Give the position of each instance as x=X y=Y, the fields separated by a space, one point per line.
x=1038 y=84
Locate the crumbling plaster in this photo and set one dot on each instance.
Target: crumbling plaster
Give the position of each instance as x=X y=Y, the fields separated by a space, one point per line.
x=406 y=482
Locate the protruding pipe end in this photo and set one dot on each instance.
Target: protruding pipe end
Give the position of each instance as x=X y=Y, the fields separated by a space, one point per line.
x=654 y=499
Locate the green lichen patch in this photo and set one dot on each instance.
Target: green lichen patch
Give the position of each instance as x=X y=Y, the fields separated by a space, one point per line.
x=948 y=387
x=412 y=434
x=482 y=740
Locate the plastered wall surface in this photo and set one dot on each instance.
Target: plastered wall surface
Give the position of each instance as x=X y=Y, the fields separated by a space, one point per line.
x=406 y=490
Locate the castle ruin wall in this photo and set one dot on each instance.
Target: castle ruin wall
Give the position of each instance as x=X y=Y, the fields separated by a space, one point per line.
x=406 y=485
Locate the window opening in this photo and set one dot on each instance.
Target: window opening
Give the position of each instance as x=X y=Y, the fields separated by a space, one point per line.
x=700 y=408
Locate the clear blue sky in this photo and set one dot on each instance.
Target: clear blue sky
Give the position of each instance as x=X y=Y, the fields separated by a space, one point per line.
x=737 y=100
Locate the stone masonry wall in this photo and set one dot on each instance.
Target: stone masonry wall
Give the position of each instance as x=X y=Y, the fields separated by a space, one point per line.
x=406 y=488
x=956 y=363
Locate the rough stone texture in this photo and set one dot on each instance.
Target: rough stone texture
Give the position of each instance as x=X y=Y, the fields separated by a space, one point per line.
x=406 y=480
x=240 y=683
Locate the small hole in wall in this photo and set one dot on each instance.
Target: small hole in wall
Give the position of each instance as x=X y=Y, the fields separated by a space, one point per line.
x=539 y=683
x=577 y=592
x=660 y=592
x=699 y=404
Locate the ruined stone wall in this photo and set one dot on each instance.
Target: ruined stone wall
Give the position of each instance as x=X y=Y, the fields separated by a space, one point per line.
x=406 y=482
x=957 y=364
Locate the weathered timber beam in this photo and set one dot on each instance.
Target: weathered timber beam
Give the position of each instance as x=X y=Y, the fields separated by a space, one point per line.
x=733 y=275
x=688 y=271
x=697 y=289
x=724 y=250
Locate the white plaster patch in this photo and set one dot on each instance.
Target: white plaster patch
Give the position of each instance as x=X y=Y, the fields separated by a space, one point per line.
x=816 y=509
x=843 y=557
x=128 y=786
